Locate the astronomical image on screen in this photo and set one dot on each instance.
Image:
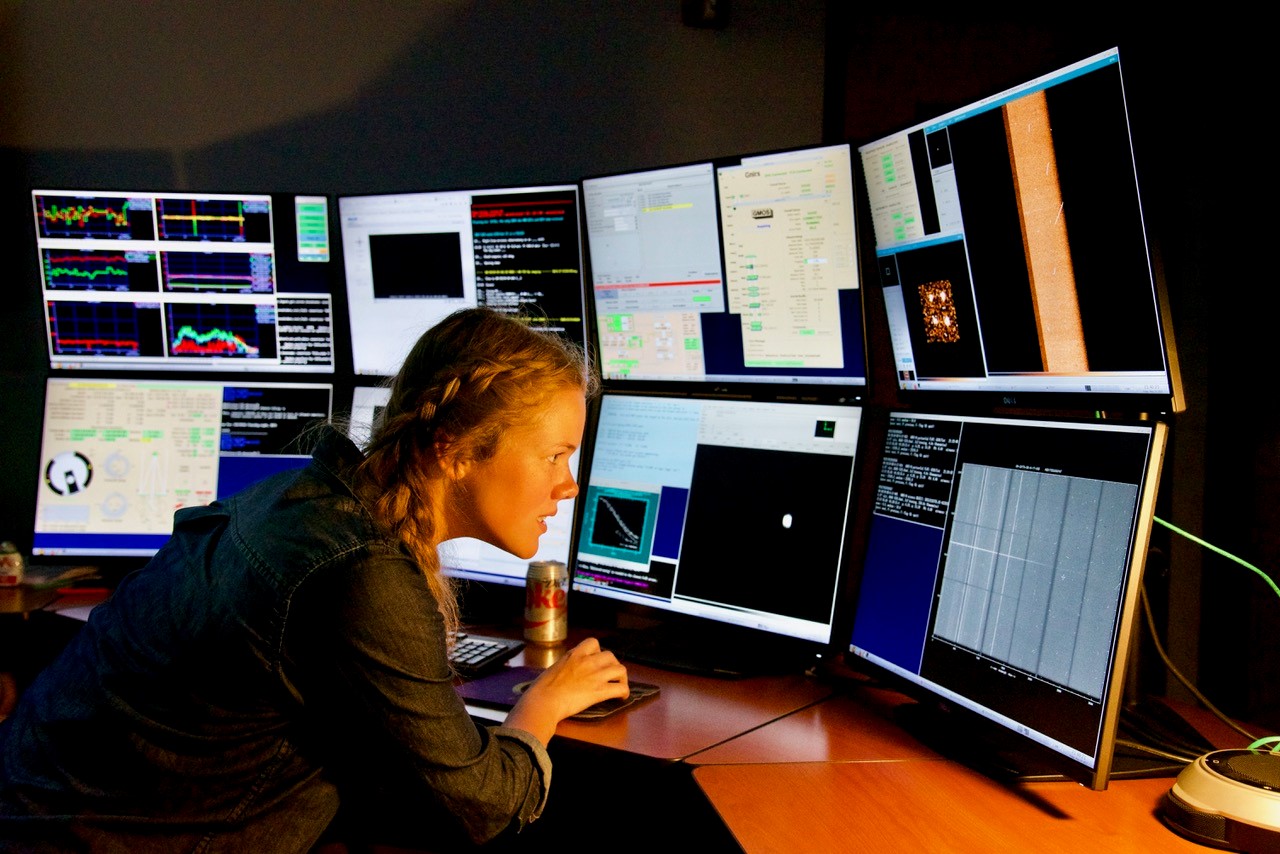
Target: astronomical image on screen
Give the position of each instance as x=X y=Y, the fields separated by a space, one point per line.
x=724 y=511
x=741 y=269
x=1002 y=570
x=413 y=258
x=466 y=558
x=1012 y=252
x=186 y=281
x=119 y=456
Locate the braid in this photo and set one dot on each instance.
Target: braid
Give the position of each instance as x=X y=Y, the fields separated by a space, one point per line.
x=465 y=382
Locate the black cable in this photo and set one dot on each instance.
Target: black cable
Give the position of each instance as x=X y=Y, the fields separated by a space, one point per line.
x=1177 y=674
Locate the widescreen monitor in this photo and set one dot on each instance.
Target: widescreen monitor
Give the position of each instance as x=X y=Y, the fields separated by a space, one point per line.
x=727 y=518
x=1013 y=254
x=186 y=281
x=413 y=258
x=730 y=271
x=466 y=558
x=1003 y=563
x=118 y=456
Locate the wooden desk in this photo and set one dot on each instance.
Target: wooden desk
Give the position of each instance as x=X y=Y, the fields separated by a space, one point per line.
x=691 y=714
x=24 y=599
x=855 y=781
x=929 y=805
x=839 y=729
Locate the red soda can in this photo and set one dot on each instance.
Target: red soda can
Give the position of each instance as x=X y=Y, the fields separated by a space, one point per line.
x=546 y=602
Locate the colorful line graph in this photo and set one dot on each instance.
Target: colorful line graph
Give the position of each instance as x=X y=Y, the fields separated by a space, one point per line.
x=225 y=220
x=221 y=330
x=105 y=217
x=99 y=270
x=221 y=272
x=103 y=329
x=215 y=342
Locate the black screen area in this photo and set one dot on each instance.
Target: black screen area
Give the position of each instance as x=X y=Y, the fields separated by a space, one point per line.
x=416 y=265
x=766 y=548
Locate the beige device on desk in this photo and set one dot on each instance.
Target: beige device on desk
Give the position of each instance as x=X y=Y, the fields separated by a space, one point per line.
x=1228 y=799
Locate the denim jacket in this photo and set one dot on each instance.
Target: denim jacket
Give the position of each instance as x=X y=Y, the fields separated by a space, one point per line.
x=277 y=651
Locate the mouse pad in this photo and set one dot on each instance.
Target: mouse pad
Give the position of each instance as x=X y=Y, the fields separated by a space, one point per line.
x=500 y=690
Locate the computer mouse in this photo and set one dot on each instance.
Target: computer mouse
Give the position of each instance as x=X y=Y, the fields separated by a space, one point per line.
x=1228 y=799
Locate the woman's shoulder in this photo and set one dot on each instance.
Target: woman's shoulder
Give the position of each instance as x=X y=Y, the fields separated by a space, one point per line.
x=305 y=517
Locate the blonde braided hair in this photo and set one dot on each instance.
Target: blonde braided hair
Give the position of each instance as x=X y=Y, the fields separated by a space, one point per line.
x=466 y=381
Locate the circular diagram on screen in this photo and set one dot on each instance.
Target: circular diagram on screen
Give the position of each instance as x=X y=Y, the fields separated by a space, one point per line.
x=116 y=466
x=114 y=506
x=68 y=472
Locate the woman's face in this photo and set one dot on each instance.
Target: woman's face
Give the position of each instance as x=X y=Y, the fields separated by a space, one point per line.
x=506 y=499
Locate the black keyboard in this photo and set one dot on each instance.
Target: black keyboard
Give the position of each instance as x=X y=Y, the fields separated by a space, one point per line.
x=476 y=655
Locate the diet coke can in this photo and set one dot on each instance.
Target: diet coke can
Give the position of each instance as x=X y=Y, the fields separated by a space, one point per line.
x=546 y=602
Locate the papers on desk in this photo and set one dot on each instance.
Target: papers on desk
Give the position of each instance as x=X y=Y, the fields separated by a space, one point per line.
x=73 y=607
x=47 y=577
x=75 y=597
x=496 y=716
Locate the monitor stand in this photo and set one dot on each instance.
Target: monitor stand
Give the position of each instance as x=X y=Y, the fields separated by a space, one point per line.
x=1149 y=721
x=720 y=651
x=1008 y=760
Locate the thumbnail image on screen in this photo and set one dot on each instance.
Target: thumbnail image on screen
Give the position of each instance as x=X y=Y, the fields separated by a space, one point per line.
x=738 y=269
x=186 y=281
x=120 y=456
x=1002 y=569
x=413 y=258
x=1011 y=247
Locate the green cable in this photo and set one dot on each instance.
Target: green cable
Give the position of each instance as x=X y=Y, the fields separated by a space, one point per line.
x=1271 y=739
x=1225 y=554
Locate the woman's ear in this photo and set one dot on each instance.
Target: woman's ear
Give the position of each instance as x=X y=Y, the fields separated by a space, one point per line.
x=453 y=463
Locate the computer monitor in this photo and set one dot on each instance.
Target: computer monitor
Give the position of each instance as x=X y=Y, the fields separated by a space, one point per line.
x=186 y=281
x=413 y=258
x=731 y=271
x=723 y=518
x=1013 y=255
x=1002 y=571
x=118 y=456
x=466 y=558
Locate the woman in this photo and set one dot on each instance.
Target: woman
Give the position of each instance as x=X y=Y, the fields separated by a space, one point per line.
x=286 y=650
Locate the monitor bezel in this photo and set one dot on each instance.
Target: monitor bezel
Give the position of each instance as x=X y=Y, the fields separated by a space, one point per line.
x=212 y=367
x=777 y=652
x=986 y=738
x=119 y=559
x=989 y=395
x=368 y=374
x=754 y=386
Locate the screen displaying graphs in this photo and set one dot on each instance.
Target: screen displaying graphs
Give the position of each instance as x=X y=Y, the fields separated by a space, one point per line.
x=185 y=280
